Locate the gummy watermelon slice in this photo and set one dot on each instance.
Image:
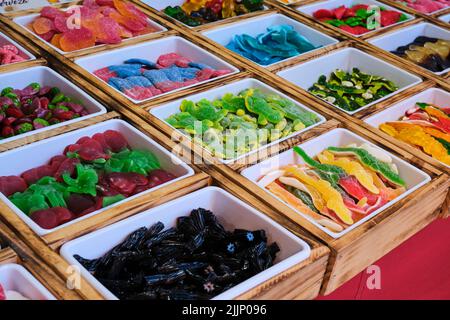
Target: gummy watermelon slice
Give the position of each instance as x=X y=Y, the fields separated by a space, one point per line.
x=339 y=12
x=323 y=13
x=389 y=17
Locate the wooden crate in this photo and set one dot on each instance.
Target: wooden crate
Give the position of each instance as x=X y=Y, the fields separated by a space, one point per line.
x=14 y=250
x=365 y=244
x=302 y=281
x=362 y=246
x=48 y=51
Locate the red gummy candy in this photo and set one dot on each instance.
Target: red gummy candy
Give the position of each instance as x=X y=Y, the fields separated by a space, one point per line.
x=169 y=59
x=67 y=166
x=61 y=24
x=43 y=25
x=48 y=36
x=56 y=161
x=205 y=74
x=360 y=30
x=34 y=174
x=115 y=140
x=122 y=182
x=80 y=203
x=51 y=12
x=107 y=30
x=12 y=184
x=52 y=217
x=132 y=24
x=159 y=176
x=357 y=7
x=108 y=3
x=77 y=39
x=323 y=13
x=389 y=17
x=339 y=12
x=2 y=293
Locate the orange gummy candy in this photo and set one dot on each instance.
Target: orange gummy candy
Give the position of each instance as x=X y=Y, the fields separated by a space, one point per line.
x=42 y=25
x=77 y=39
x=55 y=40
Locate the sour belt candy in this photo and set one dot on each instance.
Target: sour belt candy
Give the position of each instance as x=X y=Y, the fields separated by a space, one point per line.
x=141 y=79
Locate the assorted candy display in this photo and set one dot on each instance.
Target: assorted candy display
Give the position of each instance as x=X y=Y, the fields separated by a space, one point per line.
x=278 y=43
x=11 y=294
x=359 y=18
x=352 y=90
x=196 y=260
x=101 y=22
x=141 y=79
x=425 y=126
x=430 y=53
x=35 y=107
x=338 y=188
x=90 y=174
x=237 y=124
x=197 y=12
x=9 y=53
x=425 y=6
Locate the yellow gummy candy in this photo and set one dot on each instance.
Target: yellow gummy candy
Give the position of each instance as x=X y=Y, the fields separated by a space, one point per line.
x=193 y=5
x=417 y=136
x=436 y=112
x=351 y=167
x=331 y=196
x=390 y=130
x=228 y=8
x=437 y=133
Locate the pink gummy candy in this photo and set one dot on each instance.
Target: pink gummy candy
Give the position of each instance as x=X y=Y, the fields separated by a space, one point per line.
x=169 y=59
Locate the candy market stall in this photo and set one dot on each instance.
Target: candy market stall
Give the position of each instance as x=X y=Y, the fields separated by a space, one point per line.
x=305 y=140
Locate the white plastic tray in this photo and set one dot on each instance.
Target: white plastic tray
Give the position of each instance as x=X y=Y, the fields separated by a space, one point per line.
x=435 y=96
x=391 y=41
x=257 y=25
x=24 y=21
x=332 y=4
x=151 y=50
x=164 y=111
x=39 y=153
x=47 y=77
x=17 y=278
x=445 y=18
x=306 y=74
x=413 y=177
x=231 y=212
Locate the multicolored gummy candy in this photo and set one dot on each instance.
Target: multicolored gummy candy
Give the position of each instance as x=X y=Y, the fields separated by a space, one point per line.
x=9 y=53
x=278 y=43
x=197 y=12
x=356 y=19
x=100 y=22
x=426 y=6
x=141 y=79
x=35 y=107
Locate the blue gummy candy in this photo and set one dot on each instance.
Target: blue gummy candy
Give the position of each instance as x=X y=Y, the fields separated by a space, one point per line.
x=155 y=76
x=139 y=81
x=199 y=65
x=120 y=84
x=141 y=62
x=173 y=74
x=278 y=43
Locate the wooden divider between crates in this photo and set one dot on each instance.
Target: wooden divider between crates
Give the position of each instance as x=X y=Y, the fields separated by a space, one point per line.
x=18 y=252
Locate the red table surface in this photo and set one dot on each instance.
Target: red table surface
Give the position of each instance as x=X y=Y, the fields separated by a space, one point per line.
x=417 y=269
